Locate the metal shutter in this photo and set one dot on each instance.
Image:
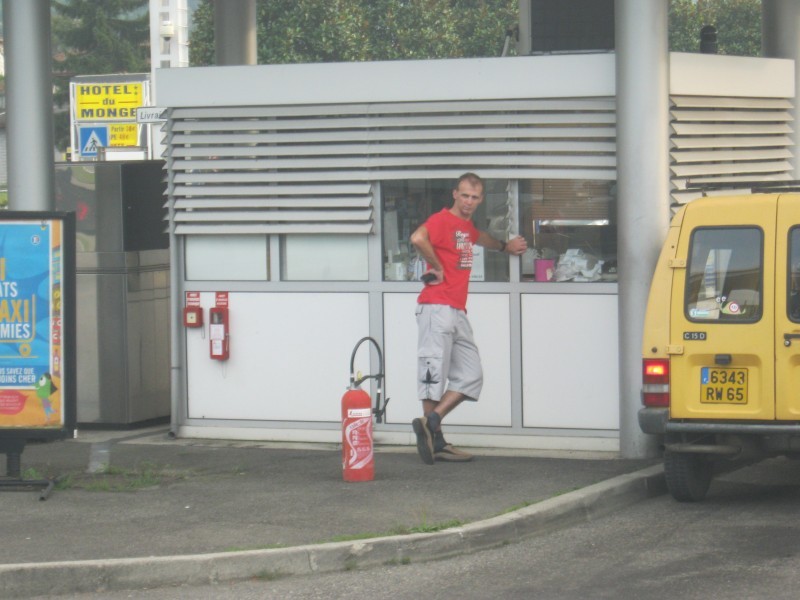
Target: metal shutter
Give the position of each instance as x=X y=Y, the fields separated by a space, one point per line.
x=309 y=169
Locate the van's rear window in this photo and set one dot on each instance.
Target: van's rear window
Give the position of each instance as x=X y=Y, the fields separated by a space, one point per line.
x=724 y=275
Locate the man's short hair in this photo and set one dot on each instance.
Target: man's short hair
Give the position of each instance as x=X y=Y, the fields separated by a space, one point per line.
x=471 y=178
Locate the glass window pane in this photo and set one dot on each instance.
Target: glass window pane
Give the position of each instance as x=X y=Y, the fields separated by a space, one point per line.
x=724 y=275
x=793 y=302
x=570 y=227
x=324 y=258
x=227 y=258
x=408 y=203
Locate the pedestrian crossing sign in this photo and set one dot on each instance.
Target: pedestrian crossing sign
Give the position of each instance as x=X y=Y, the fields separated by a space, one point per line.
x=92 y=138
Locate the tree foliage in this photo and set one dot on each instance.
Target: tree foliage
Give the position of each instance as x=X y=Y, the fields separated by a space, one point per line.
x=738 y=24
x=95 y=38
x=302 y=31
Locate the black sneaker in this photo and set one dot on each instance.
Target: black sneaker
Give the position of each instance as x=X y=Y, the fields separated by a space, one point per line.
x=424 y=439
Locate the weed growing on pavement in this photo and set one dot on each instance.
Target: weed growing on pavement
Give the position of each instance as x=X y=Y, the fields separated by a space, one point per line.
x=31 y=473
x=399 y=530
x=265 y=547
x=119 y=479
x=269 y=575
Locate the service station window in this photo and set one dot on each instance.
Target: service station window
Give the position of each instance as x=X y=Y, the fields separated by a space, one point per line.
x=227 y=258
x=724 y=274
x=408 y=203
x=570 y=228
x=321 y=257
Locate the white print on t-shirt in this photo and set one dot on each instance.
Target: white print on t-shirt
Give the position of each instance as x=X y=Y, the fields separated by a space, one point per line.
x=464 y=248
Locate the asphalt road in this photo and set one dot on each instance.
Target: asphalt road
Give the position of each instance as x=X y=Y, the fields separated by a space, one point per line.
x=742 y=542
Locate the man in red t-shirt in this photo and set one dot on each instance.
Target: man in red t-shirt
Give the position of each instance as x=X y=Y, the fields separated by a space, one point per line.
x=447 y=354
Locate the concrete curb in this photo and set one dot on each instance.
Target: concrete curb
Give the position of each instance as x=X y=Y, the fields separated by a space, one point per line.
x=70 y=577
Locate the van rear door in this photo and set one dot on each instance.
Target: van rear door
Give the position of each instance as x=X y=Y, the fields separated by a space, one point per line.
x=722 y=339
x=787 y=309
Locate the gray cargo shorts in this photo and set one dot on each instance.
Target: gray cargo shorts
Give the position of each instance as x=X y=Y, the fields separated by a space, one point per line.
x=447 y=357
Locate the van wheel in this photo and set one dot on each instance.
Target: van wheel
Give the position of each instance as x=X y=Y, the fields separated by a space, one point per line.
x=688 y=475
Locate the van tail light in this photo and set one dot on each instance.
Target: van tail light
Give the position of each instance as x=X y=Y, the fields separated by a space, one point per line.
x=655 y=382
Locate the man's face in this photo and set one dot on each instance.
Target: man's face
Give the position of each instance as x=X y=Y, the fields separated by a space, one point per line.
x=466 y=199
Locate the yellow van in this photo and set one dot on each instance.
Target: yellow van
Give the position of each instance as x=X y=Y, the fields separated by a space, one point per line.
x=721 y=347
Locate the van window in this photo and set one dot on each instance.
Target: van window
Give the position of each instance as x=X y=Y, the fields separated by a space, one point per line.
x=723 y=277
x=793 y=301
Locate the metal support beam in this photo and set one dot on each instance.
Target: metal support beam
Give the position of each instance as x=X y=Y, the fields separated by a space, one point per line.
x=29 y=105
x=235 y=32
x=642 y=71
x=780 y=38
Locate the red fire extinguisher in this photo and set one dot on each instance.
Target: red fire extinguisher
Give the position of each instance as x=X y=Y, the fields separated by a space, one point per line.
x=358 y=462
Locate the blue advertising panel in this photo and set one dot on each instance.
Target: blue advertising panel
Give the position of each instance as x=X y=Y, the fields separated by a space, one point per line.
x=37 y=324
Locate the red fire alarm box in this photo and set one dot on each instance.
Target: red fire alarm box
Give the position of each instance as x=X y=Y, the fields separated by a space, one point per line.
x=192 y=316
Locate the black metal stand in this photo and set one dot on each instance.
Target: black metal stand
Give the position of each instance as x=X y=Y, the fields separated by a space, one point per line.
x=13 y=481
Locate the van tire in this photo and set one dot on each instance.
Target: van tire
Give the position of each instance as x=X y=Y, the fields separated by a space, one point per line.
x=688 y=475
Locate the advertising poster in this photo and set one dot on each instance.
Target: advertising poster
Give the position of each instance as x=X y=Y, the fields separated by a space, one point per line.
x=36 y=391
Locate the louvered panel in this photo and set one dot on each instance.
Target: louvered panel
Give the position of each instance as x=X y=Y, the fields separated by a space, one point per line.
x=245 y=139
x=683 y=197
x=358 y=190
x=265 y=216
x=439 y=121
x=287 y=228
x=724 y=168
x=236 y=202
x=751 y=116
x=730 y=128
x=746 y=154
x=413 y=173
x=730 y=141
x=229 y=166
x=467 y=146
x=730 y=102
x=375 y=162
x=739 y=178
x=315 y=110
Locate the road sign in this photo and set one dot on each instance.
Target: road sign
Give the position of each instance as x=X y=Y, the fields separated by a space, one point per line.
x=125 y=134
x=151 y=114
x=112 y=101
x=92 y=138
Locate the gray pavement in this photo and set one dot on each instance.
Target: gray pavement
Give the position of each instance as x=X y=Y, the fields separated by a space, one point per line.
x=136 y=509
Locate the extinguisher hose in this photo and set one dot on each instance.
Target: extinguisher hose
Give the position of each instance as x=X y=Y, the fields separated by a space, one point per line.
x=380 y=409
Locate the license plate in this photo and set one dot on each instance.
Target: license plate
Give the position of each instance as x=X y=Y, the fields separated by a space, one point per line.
x=723 y=386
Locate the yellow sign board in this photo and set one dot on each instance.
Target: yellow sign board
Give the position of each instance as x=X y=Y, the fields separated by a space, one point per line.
x=123 y=135
x=108 y=101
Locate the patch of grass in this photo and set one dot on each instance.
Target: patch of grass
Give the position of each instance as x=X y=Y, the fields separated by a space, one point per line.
x=400 y=530
x=268 y=575
x=265 y=547
x=406 y=560
x=119 y=479
x=32 y=473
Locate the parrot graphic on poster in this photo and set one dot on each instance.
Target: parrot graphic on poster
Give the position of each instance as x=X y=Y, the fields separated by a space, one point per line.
x=44 y=389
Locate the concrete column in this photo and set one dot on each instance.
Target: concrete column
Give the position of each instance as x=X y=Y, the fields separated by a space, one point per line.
x=29 y=105
x=780 y=38
x=642 y=66
x=235 y=32
x=524 y=43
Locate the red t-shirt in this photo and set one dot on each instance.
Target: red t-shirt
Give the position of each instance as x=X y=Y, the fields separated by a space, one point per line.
x=452 y=238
